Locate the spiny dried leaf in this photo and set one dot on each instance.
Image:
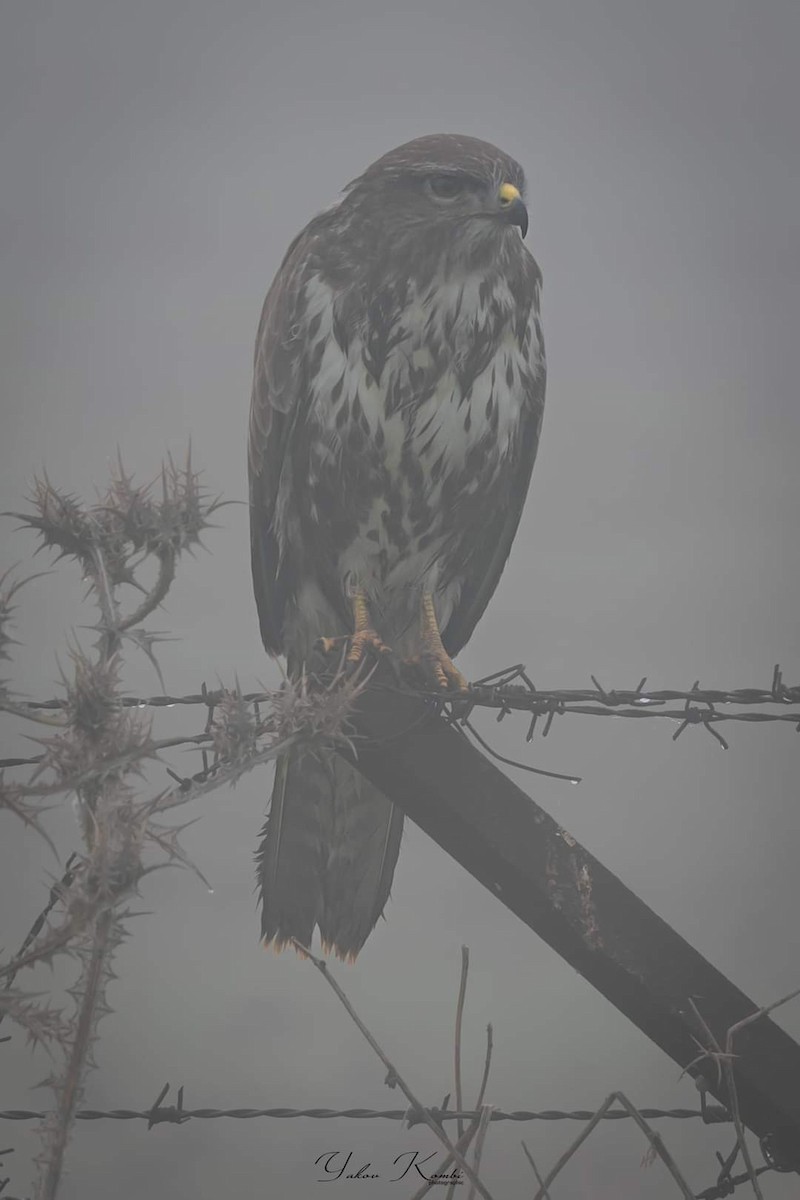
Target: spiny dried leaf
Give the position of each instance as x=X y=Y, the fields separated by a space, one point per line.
x=184 y=508
x=103 y=739
x=126 y=522
x=41 y=1023
x=8 y=590
x=93 y=700
x=118 y=832
x=132 y=508
x=145 y=641
x=173 y=522
x=28 y=812
x=60 y=520
x=319 y=712
x=166 y=838
x=55 y=940
x=234 y=730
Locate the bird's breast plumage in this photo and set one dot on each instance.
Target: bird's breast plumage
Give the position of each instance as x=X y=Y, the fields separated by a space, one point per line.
x=414 y=406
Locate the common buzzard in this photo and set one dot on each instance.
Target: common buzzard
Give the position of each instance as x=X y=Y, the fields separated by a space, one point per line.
x=397 y=402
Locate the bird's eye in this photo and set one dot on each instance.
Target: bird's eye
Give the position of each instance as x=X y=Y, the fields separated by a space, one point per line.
x=445 y=187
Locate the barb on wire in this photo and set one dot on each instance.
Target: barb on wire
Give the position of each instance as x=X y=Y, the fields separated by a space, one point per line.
x=725 y=1187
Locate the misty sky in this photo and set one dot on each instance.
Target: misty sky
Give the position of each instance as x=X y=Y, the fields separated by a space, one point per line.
x=156 y=159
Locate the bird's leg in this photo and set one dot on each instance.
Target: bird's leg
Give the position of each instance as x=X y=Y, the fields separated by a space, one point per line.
x=363 y=637
x=433 y=657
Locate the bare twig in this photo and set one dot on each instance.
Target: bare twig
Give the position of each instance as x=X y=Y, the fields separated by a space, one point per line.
x=756 y=1016
x=653 y=1138
x=462 y=1145
x=487 y=1063
x=416 y=1104
x=724 y=1064
x=543 y=1190
x=462 y=992
x=480 y=1138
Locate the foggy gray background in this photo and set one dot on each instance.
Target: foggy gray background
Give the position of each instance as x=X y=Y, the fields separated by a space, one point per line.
x=156 y=159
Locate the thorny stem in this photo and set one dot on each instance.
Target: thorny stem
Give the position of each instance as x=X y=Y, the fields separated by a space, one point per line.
x=224 y=772
x=166 y=577
x=55 y=941
x=107 y=604
x=106 y=936
x=56 y=892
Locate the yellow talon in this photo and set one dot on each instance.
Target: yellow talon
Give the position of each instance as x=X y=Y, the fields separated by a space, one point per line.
x=434 y=656
x=363 y=637
x=361 y=642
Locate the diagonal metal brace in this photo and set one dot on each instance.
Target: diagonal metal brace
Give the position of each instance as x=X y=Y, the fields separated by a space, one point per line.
x=500 y=835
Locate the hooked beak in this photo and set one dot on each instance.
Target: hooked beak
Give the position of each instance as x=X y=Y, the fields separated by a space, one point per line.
x=512 y=207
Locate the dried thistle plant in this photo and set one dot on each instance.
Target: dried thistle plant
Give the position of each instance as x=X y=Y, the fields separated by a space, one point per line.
x=95 y=748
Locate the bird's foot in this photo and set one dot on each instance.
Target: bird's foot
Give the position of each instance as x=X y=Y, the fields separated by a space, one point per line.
x=437 y=670
x=359 y=646
x=433 y=662
x=364 y=642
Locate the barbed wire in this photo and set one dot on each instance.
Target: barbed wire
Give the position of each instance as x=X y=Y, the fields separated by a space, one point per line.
x=176 y=1115
x=501 y=691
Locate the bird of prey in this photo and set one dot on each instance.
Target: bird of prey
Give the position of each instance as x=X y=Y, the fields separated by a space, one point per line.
x=397 y=402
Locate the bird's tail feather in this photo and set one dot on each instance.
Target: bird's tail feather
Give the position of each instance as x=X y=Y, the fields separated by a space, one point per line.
x=328 y=854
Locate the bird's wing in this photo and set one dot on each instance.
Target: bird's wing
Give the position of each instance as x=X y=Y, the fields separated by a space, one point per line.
x=280 y=369
x=490 y=550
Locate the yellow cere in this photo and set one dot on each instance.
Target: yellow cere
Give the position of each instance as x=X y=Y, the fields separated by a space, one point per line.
x=508 y=193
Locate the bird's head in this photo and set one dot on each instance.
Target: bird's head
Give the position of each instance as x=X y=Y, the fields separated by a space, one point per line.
x=442 y=193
